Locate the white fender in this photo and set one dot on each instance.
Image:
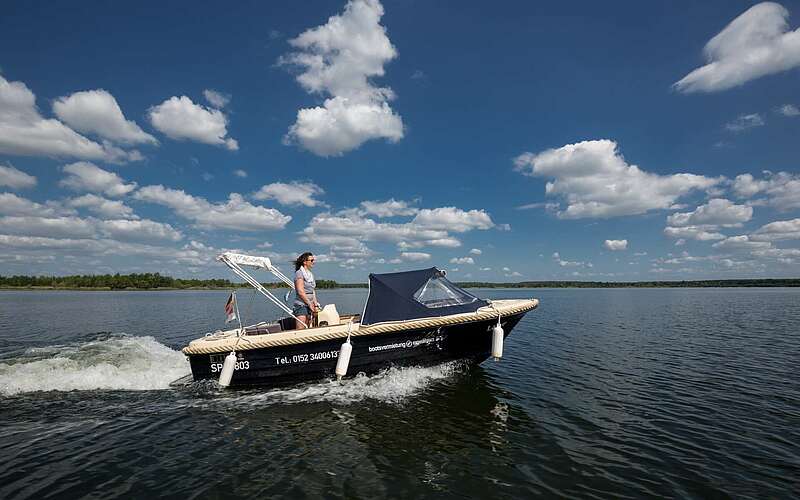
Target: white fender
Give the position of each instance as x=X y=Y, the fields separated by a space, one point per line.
x=227 y=370
x=497 y=341
x=344 y=359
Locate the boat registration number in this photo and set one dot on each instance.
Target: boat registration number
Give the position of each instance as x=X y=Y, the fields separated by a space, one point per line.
x=218 y=360
x=305 y=358
x=240 y=365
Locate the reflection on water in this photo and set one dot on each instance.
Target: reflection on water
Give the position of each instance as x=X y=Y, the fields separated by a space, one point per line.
x=601 y=393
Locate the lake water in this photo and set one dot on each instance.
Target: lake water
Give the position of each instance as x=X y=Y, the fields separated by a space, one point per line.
x=601 y=394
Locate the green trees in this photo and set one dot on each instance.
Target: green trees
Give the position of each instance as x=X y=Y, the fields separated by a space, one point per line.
x=135 y=281
x=150 y=281
x=113 y=281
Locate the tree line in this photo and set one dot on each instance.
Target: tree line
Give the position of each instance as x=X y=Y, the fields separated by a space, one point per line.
x=150 y=281
x=135 y=281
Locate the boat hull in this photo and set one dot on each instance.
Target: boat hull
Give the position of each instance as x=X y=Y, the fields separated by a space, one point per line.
x=288 y=364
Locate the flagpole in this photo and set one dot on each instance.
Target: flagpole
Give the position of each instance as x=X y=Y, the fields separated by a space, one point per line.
x=238 y=316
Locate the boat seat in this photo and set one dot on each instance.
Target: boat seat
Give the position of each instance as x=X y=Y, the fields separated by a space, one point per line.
x=263 y=329
x=328 y=316
x=287 y=323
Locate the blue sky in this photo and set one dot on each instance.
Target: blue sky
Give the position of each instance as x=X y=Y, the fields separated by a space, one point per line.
x=503 y=142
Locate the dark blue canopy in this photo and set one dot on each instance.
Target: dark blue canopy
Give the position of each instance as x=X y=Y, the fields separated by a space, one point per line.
x=415 y=294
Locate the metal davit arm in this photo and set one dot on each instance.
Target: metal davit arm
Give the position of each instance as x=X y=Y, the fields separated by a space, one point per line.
x=230 y=260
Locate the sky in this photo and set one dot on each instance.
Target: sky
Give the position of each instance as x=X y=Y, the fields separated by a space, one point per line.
x=511 y=141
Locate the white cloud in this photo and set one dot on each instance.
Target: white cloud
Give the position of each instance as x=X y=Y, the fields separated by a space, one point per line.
x=744 y=122
x=97 y=112
x=338 y=59
x=745 y=186
x=430 y=227
x=782 y=189
x=717 y=261
x=240 y=173
x=712 y=192
x=777 y=253
x=42 y=242
x=216 y=99
x=414 y=256
x=717 y=212
x=63 y=227
x=236 y=214
x=742 y=242
x=700 y=233
x=350 y=253
x=11 y=204
x=86 y=176
x=778 y=231
x=181 y=119
x=139 y=230
x=294 y=193
x=25 y=132
x=565 y=263
x=15 y=179
x=475 y=251
x=341 y=126
x=682 y=259
x=27 y=218
x=486 y=269
x=755 y=44
x=330 y=229
x=462 y=260
x=596 y=181
x=193 y=253
x=453 y=219
x=789 y=110
x=446 y=242
x=616 y=245
x=26 y=259
x=103 y=207
x=389 y=208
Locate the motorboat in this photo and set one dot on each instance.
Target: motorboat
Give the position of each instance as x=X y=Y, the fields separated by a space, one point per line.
x=410 y=318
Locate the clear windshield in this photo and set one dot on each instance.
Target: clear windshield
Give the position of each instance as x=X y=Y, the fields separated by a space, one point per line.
x=439 y=292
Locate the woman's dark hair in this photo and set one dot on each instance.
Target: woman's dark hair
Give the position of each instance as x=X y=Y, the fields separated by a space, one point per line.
x=299 y=262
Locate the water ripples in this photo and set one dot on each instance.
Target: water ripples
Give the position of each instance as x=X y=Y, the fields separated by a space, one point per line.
x=601 y=393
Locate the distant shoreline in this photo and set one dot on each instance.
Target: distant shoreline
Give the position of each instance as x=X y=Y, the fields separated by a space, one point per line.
x=749 y=283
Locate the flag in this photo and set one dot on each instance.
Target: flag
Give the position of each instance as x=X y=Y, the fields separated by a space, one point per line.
x=230 y=308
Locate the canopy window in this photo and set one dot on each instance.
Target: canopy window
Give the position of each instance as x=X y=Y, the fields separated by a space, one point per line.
x=440 y=292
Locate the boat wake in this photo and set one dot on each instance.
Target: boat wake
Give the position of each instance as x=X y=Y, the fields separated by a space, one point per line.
x=111 y=363
x=391 y=385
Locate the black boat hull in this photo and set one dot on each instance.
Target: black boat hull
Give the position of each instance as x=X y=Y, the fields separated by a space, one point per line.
x=282 y=365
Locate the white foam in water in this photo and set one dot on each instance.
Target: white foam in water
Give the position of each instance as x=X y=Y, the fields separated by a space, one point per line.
x=126 y=363
x=390 y=385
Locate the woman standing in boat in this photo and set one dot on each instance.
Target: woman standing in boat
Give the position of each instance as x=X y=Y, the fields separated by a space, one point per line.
x=305 y=299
